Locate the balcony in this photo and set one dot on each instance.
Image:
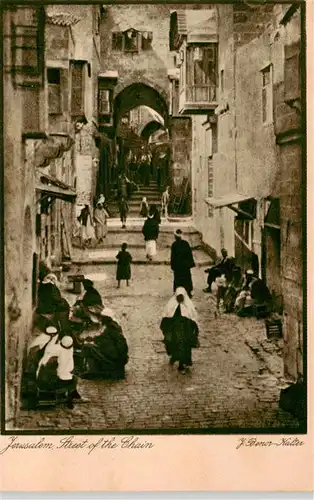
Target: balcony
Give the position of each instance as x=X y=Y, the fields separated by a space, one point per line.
x=198 y=99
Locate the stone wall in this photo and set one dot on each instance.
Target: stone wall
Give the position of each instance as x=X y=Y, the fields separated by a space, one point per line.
x=147 y=66
x=19 y=241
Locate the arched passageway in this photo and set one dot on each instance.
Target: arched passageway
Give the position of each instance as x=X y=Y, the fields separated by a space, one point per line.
x=150 y=128
x=139 y=149
x=139 y=94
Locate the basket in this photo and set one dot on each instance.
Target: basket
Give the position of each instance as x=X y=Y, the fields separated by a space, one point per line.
x=273 y=328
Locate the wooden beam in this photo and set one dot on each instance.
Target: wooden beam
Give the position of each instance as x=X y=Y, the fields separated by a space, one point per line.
x=241 y=212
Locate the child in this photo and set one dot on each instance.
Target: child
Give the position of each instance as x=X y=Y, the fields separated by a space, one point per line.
x=218 y=289
x=124 y=265
x=144 y=208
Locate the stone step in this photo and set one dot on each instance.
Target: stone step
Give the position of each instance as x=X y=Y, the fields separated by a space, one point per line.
x=108 y=256
x=134 y=237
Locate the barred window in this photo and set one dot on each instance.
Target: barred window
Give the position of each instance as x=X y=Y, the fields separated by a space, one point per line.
x=104 y=101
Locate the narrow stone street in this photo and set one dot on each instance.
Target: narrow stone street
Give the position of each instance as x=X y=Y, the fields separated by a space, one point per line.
x=234 y=382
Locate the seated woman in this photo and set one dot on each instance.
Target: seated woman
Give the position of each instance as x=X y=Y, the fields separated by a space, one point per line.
x=51 y=302
x=91 y=304
x=180 y=330
x=107 y=354
x=232 y=290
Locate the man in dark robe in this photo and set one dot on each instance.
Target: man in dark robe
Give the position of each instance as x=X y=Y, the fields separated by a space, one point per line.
x=182 y=262
x=224 y=266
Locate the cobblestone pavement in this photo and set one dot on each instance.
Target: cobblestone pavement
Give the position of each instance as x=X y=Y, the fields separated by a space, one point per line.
x=235 y=380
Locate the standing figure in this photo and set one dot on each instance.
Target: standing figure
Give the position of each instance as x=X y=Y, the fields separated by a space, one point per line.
x=144 y=208
x=165 y=202
x=100 y=221
x=150 y=231
x=153 y=210
x=123 y=186
x=101 y=199
x=180 y=330
x=181 y=263
x=84 y=218
x=124 y=265
x=124 y=209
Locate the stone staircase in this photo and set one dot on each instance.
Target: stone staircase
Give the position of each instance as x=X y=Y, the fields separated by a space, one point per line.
x=152 y=194
x=106 y=253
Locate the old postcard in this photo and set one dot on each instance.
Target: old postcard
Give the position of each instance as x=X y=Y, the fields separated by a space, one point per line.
x=156 y=325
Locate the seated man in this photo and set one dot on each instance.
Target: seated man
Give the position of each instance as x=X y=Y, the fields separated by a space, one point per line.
x=55 y=369
x=232 y=290
x=224 y=266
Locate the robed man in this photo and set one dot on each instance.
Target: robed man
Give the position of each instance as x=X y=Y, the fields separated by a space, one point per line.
x=182 y=262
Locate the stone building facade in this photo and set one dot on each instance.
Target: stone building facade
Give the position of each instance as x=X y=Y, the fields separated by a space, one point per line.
x=47 y=117
x=247 y=154
x=23 y=97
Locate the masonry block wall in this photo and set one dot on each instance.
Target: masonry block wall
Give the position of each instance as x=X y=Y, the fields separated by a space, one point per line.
x=246 y=160
x=289 y=137
x=19 y=241
x=150 y=65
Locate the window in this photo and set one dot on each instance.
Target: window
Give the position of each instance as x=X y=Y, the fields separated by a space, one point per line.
x=77 y=89
x=201 y=73
x=147 y=38
x=267 y=95
x=28 y=46
x=104 y=104
x=222 y=82
x=54 y=91
x=132 y=40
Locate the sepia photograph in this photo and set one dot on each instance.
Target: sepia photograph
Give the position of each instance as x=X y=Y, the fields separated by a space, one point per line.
x=154 y=219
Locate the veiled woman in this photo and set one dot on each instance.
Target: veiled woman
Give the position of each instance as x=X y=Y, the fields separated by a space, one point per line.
x=107 y=354
x=180 y=329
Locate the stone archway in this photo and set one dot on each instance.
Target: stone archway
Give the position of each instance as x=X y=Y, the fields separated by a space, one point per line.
x=139 y=94
x=150 y=128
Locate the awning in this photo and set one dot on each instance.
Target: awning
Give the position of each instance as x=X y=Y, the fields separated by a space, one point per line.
x=272 y=218
x=53 y=187
x=229 y=201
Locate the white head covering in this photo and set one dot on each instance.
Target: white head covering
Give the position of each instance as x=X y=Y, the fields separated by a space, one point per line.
x=67 y=342
x=109 y=313
x=187 y=307
x=50 y=278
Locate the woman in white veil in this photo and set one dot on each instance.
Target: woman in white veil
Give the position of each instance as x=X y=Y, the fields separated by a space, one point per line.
x=180 y=329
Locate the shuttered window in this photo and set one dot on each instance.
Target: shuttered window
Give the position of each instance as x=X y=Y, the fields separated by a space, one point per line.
x=54 y=91
x=104 y=101
x=77 y=89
